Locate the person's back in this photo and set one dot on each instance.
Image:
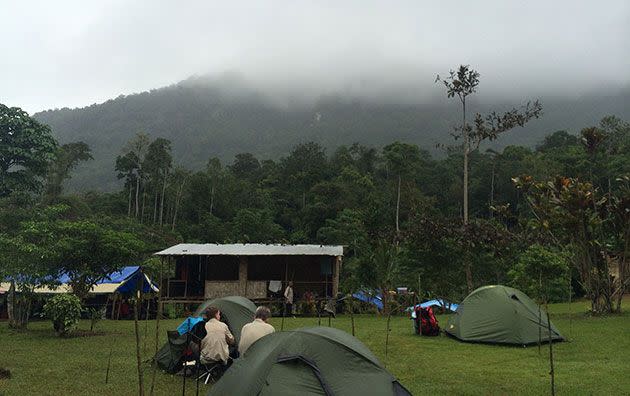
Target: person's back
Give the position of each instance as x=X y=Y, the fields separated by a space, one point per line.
x=255 y=330
x=214 y=346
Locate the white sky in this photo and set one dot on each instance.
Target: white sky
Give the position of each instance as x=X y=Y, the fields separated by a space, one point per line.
x=75 y=53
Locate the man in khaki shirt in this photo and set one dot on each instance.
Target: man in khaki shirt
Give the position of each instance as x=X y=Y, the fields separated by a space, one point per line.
x=257 y=329
x=214 y=346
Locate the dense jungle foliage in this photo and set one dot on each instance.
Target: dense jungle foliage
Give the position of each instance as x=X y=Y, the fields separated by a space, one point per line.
x=552 y=220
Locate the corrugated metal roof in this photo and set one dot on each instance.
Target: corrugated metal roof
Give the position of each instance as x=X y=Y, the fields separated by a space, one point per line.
x=105 y=288
x=250 y=249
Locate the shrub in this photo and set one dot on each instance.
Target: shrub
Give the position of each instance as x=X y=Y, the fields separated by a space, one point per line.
x=65 y=311
x=541 y=272
x=173 y=310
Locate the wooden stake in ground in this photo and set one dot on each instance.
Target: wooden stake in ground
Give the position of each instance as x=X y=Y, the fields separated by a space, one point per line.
x=539 y=313
x=109 y=362
x=157 y=327
x=284 y=312
x=551 y=371
x=389 y=316
x=351 y=309
x=319 y=315
x=539 y=329
x=139 y=284
x=146 y=326
x=570 y=316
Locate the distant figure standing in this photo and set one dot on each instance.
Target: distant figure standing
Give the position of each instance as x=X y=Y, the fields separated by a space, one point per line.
x=257 y=329
x=288 y=299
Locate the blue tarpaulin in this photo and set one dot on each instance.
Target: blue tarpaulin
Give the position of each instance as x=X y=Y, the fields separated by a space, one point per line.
x=377 y=300
x=127 y=277
x=374 y=299
x=188 y=324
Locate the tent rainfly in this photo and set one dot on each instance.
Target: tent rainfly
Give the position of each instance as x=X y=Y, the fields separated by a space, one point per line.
x=308 y=361
x=500 y=315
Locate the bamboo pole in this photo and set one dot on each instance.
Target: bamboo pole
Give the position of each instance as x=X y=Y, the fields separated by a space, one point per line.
x=551 y=370
x=146 y=324
x=157 y=327
x=351 y=306
x=109 y=362
x=284 y=312
x=539 y=313
x=570 y=310
x=137 y=333
x=389 y=316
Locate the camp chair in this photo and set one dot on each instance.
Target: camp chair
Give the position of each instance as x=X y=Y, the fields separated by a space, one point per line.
x=211 y=371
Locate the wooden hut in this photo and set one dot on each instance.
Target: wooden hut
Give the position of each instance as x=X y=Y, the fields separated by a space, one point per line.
x=257 y=271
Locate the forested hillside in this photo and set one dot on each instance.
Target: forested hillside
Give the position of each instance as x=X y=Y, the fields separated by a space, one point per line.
x=214 y=118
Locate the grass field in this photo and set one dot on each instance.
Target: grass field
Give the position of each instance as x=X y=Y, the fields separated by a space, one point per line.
x=596 y=360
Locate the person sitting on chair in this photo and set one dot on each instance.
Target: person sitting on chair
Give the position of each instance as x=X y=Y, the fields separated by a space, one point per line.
x=257 y=329
x=214 y=346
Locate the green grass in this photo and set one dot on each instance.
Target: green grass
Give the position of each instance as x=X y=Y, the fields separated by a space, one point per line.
x=595 y=361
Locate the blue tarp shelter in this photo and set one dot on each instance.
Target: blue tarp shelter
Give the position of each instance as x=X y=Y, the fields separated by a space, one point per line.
x=374 y=299
x=377 y=300
x=123 y=282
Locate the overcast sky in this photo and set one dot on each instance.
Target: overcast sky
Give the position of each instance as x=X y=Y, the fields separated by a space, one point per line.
x=75 y=53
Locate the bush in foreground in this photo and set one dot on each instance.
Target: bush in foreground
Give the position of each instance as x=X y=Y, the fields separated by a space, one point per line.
x=65 y=311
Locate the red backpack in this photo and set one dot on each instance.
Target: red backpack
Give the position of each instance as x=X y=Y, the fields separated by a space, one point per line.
x=426 y=323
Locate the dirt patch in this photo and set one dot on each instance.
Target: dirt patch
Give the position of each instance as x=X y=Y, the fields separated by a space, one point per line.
x=4 y=373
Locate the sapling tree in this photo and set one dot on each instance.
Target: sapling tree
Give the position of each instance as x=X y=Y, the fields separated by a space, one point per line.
x=461 y=84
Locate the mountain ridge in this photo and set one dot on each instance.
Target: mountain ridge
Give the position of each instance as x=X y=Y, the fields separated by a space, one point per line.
x=222 y=117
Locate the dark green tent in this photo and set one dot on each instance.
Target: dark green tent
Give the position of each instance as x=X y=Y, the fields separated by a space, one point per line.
x=500 y=315
x=236 y=311
x=308 y=361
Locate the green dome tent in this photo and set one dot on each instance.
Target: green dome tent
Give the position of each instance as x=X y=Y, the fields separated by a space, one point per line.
x=308 y=361
x=500 y=315
x=236 y=311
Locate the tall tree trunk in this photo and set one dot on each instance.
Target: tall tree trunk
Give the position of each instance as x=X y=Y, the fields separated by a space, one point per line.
x=177 y=202
x=137 y=195
x=155 y=205
x=212 y=198
x=162 y=198
x=466 y=148
x=129 y=205
x=467 y=264
x=398 y=205
x=492 y=191
x=144 y=194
